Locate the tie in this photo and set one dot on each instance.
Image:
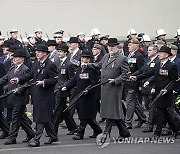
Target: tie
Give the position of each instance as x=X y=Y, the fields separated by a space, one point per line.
x=161 y=65
x=5 y=59
x=15 y=69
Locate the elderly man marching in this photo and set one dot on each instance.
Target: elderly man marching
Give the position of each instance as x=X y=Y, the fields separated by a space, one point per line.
x=114 y=69
x=44 y=73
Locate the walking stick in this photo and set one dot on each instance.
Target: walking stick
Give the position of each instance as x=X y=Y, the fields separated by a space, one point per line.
x=73 y=102
x=160 y=93
x=12 y=91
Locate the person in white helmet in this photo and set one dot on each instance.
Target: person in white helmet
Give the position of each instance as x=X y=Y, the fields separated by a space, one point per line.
x=131 y=34
x=95 y=33
x=145 y=42
x=161 y=35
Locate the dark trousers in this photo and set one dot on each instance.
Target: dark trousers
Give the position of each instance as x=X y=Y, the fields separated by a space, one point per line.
x=123 y=131
x=169 y=117
x=19 y=119
x=133 y=105
x=3 y=124
x=151 y=109
x=49 y=130
x=9 y=115
x=59 y=115
x=93 y=124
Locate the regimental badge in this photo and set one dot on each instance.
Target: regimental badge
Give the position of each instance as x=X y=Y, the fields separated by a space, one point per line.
x=75 y=62
x=152 y=64
x=132 y=60
x=84 y=76
x=163 y=72
x=63 y=71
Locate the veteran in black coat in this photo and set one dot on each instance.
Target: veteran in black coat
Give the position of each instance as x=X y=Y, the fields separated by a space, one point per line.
x=61 y=97
x=165 y=73
x=44 y=72
x=86 y=104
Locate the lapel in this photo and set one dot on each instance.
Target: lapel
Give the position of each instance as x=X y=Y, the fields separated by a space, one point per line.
x=112 y=60
x=53 y=55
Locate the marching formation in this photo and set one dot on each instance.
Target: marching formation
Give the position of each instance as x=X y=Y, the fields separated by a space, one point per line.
x=99 y=75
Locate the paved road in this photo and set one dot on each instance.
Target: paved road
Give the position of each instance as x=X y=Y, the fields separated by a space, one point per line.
x=67 y=145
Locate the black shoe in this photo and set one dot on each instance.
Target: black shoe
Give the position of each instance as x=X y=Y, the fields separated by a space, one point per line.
x=175 y=134
x=51 y=140
x=137 y=119
x=102 y=120
x=34 y=143
x=126 y=136
x=139 y=124
x=72 y=132
x=3 y=136
x=9 y=141
x=95 y=135
x=154 y=137
x=166 y=132
x=63 y=126
x=27 y=139
x=128 y=126
x=147 y=129
x=77 y=137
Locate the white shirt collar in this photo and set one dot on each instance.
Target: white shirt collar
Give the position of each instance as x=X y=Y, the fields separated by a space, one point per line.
x=18 y=66
x=63 y=59
x=172 y=58
x=164 y=62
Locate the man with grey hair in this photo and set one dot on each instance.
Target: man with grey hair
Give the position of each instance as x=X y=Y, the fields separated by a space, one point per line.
x=114 y=69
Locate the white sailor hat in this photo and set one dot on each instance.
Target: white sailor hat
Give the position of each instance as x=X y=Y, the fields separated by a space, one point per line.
x=80 y=33
x=13 y=31
x=31 y=36
x=38 y=30
x=2 y=37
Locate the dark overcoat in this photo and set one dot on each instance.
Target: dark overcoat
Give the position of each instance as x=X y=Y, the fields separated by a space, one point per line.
x=43 y=96
x=86 y=105
x=163 y=76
